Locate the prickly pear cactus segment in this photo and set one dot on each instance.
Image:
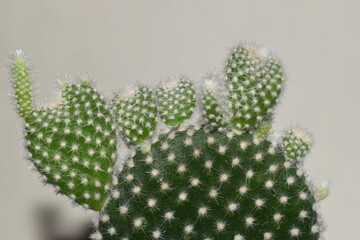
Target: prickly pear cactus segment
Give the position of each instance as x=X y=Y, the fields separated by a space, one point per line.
x=296 y=144
x=176 y=100
x=201 y=184
x=73 y=145
x=135 y=113
x=20 y=74
x=254 y=79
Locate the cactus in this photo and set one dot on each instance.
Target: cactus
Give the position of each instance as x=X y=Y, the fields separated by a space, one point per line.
x=218 y=176
x=72 y=143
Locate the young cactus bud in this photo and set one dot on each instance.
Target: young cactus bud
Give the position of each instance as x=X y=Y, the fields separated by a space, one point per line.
x=296 y=144
x=20 y=74
x=135 y=113
x=322 y=191
x=254 y=78
x=212 y=108
x=263 y=129
x=176 y=99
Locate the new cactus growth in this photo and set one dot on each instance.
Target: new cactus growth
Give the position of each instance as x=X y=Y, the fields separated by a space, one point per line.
x=254 y=78
x=215 y=177
x=22 y=87
x=213 y=108
x=135 y=112
x=176 y=101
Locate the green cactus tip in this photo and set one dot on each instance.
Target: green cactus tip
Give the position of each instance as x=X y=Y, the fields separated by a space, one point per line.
x=20 y=72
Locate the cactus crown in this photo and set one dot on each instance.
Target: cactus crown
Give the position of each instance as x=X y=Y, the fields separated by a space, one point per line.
x=219 y=177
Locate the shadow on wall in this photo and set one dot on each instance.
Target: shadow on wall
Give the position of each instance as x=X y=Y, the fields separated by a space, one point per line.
x=52 y=226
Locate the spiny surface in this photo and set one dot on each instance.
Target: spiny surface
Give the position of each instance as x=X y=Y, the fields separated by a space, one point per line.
x=214 y=102
x=199 y=184
x=176 y=100
x=73 y=145
x=135 y=113
x=211 y=112
x=21 y=77
x=254 y=79
x=296 y=144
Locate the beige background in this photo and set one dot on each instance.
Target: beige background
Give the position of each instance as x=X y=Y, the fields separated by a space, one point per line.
x=126 y=41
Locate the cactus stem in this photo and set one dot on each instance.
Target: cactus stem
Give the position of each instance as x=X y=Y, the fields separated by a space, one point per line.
x=20 y=73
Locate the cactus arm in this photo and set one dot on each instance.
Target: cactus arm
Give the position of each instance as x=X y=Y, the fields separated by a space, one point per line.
x=21 y=77
x=72 y=142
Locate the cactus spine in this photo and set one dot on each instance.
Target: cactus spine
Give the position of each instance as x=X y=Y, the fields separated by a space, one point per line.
x=218 y=178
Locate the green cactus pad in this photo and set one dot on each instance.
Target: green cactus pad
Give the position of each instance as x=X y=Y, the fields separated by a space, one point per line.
x=176 y=100
x=202 y=184
x=254 y=78
x=296 y=144
x=73 y=145
x=135 y=113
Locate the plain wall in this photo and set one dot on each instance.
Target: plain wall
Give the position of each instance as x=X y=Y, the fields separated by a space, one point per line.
x=122 y=42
